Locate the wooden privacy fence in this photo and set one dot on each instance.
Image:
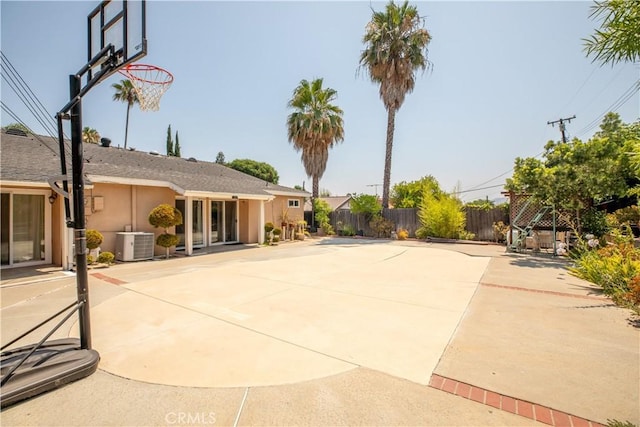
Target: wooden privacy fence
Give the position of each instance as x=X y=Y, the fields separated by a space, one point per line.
x=479 y=221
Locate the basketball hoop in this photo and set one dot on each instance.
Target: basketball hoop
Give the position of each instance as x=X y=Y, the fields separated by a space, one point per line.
x=149 y=82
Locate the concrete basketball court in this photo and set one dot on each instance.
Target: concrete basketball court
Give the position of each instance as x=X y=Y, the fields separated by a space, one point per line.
x=286 y=319
x=337 y=332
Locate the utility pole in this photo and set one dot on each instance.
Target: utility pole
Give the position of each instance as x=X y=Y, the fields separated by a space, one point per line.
x=562 y=126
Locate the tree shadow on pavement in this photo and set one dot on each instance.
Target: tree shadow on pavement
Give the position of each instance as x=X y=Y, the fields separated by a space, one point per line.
x=538 y=261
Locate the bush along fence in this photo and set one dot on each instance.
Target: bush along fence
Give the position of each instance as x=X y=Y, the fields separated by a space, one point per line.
x=479 y=222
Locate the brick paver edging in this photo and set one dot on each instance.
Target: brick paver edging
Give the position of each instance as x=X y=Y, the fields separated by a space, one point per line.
x=540 y=413
x=108 y=279
x=542 y=291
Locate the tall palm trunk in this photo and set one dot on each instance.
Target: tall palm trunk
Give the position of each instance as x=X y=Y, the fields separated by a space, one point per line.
x=315 y=190
x=126 y=126
x=386 y=183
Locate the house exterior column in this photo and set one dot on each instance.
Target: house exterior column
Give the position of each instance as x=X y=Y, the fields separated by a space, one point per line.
x=188 y=226
x=261 y=223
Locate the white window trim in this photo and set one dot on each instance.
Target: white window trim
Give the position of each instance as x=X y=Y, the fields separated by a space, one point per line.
x=296 y=203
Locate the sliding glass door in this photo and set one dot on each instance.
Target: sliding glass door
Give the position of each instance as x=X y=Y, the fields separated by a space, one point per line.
x=24 y=236
x=197 y=222
x=217 y=225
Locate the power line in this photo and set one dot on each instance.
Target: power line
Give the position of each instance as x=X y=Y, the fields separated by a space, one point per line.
x=15 y=117
x=478 y=189
x=498 y=176
x=35 y=105
x=578 y=91
x=22 y=90
x=622 y=99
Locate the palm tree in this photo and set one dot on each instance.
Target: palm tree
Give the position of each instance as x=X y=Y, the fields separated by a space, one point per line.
x=90 y=135
x=314 y=126
x=125 y=93
x=395 y=47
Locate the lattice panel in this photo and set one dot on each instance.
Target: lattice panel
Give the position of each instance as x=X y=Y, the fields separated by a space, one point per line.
x=518 y=203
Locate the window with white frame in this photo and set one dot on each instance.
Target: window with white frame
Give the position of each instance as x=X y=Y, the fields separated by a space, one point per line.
x=294 y=203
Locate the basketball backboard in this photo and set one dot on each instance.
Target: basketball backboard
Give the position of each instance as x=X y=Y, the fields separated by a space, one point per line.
x=122 y=24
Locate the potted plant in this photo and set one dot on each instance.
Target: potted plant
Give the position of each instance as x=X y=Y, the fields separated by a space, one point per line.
x=94 y=240
x=268 y=235
x=166 y=216
x=276 y=234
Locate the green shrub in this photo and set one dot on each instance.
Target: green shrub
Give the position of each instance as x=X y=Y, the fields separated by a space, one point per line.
x=94 y=239
x=328 y=229
x=595 y=222
x=348 y=230
x=90 y=259
x=441 y=216
x=630 y=215
x=268 y=227
x=165 y=216
x=615 y=268
x=167 y=240
x=106 y=258
x=366 y=204
x=500 y=231
x=277 y=232
x=483 y=204
x=402 y=234
x=322 y=209
x=381 y=226
x=616 y=423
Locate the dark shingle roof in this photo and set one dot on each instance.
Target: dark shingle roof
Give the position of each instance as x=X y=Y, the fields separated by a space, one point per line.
x=35 y=159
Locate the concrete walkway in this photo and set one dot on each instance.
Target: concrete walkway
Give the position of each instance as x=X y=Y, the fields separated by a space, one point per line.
x=339 y=332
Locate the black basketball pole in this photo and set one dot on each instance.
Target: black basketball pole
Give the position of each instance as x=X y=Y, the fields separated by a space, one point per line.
x=79 y=224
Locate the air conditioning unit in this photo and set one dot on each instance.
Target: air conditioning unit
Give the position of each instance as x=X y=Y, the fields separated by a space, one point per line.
x=134 y=246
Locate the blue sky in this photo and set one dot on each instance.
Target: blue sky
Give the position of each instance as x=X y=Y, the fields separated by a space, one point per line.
x=500 y=71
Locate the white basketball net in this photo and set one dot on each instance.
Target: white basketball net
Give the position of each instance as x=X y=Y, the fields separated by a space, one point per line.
x=149 y=82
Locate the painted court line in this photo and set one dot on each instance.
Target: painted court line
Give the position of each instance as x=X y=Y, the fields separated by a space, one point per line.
x=108 y=279
x=533 y=411
x=541 y=291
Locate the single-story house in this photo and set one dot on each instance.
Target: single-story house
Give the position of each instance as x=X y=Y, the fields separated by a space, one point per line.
x=336 y=203
x=219 y=205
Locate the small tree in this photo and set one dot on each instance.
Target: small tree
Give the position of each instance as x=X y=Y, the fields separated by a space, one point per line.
x=220 y=158
x=261 y=170
x=17 y=126
x=169 y=142
x=268 y=228
x=176 y=148
x=94 y=240
x=166 y=216
x=366 y=204
x=409 y=194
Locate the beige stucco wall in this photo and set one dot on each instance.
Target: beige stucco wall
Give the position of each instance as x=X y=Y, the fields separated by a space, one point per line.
x=126 y=208
x=243 y=218
x=278 y=207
